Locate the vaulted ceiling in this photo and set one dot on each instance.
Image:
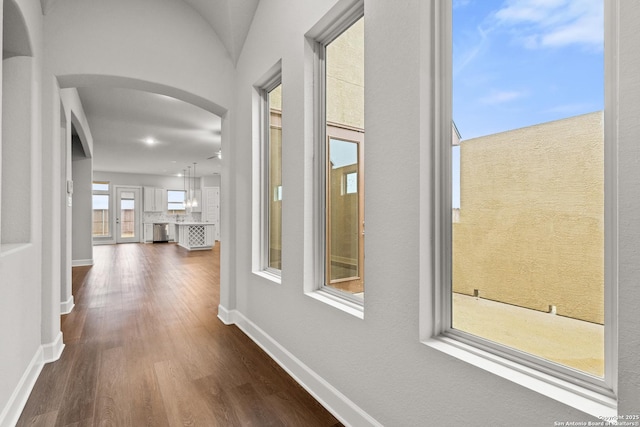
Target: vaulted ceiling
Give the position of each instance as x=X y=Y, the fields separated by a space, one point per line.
x=121 y=120
x=230 y=19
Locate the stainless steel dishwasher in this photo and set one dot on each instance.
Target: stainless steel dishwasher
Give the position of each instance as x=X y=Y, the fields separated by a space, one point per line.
x=160 y=232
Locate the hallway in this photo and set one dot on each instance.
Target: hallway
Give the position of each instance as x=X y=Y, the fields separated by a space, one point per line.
x=144 y=348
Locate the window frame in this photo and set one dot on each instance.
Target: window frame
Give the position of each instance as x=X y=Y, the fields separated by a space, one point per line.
x=265 y=172
x=588 y=393
x=184 y=202
x=334 y=29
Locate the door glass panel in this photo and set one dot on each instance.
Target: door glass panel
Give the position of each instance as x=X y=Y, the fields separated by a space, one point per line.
x=343 y=223
x=100 y=215
x=127 y=214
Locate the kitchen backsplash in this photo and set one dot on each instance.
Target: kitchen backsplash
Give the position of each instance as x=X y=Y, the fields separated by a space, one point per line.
x=165 y=217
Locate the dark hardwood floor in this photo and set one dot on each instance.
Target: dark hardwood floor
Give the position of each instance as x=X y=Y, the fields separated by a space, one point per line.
x=144 y=348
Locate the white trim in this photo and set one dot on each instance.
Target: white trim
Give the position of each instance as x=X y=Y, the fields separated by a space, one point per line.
x=583 y=399
x=67 y=306
x=13 y=409
x=331 y=398
x=226 y=316
x=339 y=300
x=261 y=140
x=611 y=114
x=52 y=351
x=270 y=274
x=81 y=262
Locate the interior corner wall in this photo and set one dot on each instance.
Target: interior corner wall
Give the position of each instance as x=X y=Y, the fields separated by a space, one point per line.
x=378 y=365
x=16 y=150
x=82 y=243
x=211 y=181
x=20 y=268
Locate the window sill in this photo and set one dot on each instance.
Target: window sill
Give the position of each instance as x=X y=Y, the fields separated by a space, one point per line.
x=342 y=304
x=272 y=277
x=581 y=398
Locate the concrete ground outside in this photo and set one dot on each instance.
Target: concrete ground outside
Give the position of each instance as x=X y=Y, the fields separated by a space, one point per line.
x=574 y=343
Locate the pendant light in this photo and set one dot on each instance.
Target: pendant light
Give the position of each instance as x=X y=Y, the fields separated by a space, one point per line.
x=184 y=187
x=194 y=200
x=188 y=204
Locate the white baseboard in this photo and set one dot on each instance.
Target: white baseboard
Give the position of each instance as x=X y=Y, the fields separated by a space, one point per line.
x=81 y=262
x=13 y=409
x=67 y=306
x=46 y=353
x=52 y=351
x=226 y=316
x=335 y=402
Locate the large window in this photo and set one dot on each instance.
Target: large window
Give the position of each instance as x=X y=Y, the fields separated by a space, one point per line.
x=101 y=208
x=176 y=201
x=342 y=69
x=523 y=171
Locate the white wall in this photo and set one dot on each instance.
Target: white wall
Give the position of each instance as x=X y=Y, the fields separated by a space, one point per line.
x=21 y=353
x=379 y=363
x=82 y=246
x=75 y=229
x=16 y=150
x=211 y=180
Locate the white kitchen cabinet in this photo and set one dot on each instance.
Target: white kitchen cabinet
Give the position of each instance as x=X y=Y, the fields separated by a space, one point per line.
x=148 y=233
x=172 y=232
x=154 y=199
x=196 y=236
x=160 y=202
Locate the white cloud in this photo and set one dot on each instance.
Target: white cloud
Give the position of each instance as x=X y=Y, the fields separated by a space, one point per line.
x=554 y=23
x=501 y=97
x=570 y=109
x=460 y=3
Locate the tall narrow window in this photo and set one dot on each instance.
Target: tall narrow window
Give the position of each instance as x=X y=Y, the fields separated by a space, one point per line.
x=527 y=266
x=101 y=209
x=268 y=152
x=274 y=103
x=344 y=165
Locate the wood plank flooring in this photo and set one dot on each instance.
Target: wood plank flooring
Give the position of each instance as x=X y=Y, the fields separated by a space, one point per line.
x=144 y=348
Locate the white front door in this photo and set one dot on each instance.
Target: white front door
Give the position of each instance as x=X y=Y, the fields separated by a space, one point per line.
x=127 y=214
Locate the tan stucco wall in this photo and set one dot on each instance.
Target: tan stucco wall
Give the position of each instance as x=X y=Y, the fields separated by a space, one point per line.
x=531 y=230
x=345 y=78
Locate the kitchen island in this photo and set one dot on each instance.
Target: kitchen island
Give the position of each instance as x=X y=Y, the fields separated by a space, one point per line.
x=195 y=236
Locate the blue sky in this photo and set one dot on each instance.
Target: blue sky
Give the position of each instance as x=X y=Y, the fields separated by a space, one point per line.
x=517 y=63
